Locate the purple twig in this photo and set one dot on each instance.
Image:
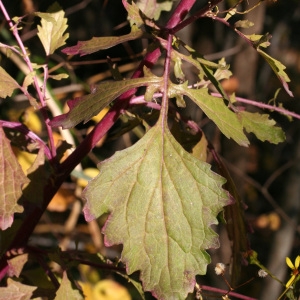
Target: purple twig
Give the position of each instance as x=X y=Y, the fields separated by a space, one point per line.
x=29 y=134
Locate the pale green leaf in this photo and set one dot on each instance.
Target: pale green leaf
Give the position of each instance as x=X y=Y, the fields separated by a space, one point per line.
x=66 y=291
x=262 y=127
x=16 y=290
x=153 y=8
x=243 y=24
x=216 y=110
x=59 y=76
x=7 y=84
x=83 y=109
x=51 y=31
x=134 y=13
x=12 y=179
x=162 y=202
x=28 y=80
x=278 y=69
x=178 y=70
x=102 y=43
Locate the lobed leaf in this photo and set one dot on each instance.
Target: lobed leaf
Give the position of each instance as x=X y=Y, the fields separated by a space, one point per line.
x=162 y=202
x=102 y=43
x=12 y=179
x=262 y=127
x=216 y=110
x=51 y=31
x=7 y=84
x=84 y=108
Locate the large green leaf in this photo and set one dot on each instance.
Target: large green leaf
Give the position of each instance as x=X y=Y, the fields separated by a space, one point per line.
x=216 y=110
x=162 y=202
x=84 y=108
x=12 y=179
x=262 y=127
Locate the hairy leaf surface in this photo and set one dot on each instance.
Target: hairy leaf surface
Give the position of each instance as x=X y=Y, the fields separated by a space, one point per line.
x=262 y=127
x=162 y=202
x=84 y=108
x=12 y=179
x=51 y=31
x=7 y=84
x=216 y=110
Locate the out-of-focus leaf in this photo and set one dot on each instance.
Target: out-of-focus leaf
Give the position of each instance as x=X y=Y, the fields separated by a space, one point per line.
x=243 y=24
x=84 y=108
x=235 y=223
x=200 y=149
x=216 y=110
x=7 y=84
x=153 y=8
x=66 y=291
x=162 y=202
x=16 y=264
x=53 y=26
x=278 y=69
x=86 y=175
x=102 y=43
x=262 y=127
x=108 y=289
x=28 y=79
x=12 y=179
x=16 y=291
x=59 y=76
x=136 y=284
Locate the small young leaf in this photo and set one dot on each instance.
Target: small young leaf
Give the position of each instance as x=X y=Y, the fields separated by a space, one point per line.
x=101 y=43
x=66 y=291
x=216 y=110
x=83 y=109
x=262 y=127
x=278 y=69
x=7 y=84
x=12 y=179
x=51 y=33
x=59 y=76
x=162 y=202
